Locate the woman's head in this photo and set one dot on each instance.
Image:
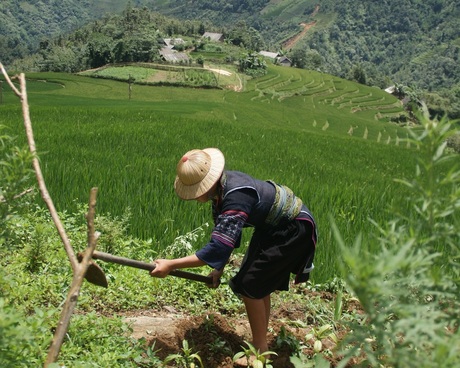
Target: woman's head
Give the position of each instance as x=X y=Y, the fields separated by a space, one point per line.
x=197 y=172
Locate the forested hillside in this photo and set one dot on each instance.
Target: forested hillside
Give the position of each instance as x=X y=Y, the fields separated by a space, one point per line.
x=410 y=42
x=413 y=43
x=23 y=24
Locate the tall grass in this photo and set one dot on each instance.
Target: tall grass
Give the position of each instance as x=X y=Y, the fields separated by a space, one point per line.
x=89 y=134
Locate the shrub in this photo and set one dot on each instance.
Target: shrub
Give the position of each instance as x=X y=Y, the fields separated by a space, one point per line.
x=15 y=338
x=409 y=289
x=454 y=142
x=15 y=180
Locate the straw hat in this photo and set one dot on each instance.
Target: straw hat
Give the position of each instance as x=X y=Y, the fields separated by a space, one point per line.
x=197 y=171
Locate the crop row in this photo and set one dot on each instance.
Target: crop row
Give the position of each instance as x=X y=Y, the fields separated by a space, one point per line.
x=88 y=135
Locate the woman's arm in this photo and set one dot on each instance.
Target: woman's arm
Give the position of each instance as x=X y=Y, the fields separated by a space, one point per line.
x=165 y=266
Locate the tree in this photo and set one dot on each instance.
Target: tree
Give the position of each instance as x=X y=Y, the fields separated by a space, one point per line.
x=61 y=59
x=299 y=58
x=358 y=74
x=252 y=64
x=313 y=60
x=99 y=50
x=138 y=48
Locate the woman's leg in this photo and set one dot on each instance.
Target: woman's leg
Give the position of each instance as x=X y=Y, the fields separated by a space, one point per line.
x=258 y=311
x=267 y=302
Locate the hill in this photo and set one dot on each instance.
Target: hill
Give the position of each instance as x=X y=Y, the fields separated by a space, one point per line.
x=413 y=43
x=410 y=42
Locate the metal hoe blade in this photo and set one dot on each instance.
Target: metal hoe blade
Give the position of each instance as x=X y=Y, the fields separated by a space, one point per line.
x=94 y=274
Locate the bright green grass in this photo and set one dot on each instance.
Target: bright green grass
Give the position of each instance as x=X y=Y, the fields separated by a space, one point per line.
x=138 y=73
x=157 y=74
x=89 y=133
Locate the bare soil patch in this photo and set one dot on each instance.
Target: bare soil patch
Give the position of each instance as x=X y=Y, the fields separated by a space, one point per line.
x=217 y=337
x=290 y=43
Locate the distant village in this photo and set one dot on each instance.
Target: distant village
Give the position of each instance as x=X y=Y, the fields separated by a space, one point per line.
x=170 y=53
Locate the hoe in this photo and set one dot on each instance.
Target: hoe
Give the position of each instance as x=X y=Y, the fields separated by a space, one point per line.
x=96 y=275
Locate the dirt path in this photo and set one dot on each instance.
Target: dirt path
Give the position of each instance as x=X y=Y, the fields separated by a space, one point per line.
x=290 y=43
x=236 y=88
x=221 y=71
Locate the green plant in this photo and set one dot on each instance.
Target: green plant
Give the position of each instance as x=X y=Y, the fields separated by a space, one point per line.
x=320 y=313
x=36 y=249
x=15 y=181
x=219 y=346
x=254 y=358
x=186 y=359
x=318 y=334
x=184 y=244
x=409 y=288
x=338 y=305
x=302 y=361
x=14 y=338
x=285 y=338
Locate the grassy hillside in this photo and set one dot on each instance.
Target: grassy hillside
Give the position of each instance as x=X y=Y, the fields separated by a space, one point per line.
x=327 y=138
x=411 y=43
x=386 y=35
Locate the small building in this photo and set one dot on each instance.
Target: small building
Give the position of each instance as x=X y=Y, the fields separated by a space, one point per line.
x=391 y=89
x=172 y=56
x=213 y=37
x=283 y=61
x=171 y=42
x=270 y=55
x=276 y=58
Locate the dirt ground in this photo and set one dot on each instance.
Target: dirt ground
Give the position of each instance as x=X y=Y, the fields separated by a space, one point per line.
x=216 y=338
x=289 y=44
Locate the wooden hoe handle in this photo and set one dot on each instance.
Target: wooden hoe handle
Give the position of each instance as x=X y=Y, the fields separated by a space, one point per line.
x=106 y=257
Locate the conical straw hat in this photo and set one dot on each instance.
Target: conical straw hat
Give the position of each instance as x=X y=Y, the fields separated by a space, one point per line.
x=197 y=171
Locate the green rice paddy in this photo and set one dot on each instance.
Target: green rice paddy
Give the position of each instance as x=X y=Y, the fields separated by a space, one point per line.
x=328 y=139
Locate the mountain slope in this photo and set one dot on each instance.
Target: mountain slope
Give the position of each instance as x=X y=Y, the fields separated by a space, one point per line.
x=24 y=24
x=411 y=42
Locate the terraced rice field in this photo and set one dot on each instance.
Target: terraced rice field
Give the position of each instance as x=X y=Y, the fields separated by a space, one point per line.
x=327 y=138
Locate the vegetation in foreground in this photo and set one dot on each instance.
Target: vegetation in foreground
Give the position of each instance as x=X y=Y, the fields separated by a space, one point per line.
x=407 y=287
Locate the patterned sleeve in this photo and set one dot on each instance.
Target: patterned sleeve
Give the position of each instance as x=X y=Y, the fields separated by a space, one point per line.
x=225 y=236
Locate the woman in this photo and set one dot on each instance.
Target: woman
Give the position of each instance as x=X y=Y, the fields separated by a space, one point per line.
x=283 y=242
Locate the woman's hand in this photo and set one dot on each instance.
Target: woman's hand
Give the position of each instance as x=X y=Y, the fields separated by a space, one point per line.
x=216 y=275
x=162 y=268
